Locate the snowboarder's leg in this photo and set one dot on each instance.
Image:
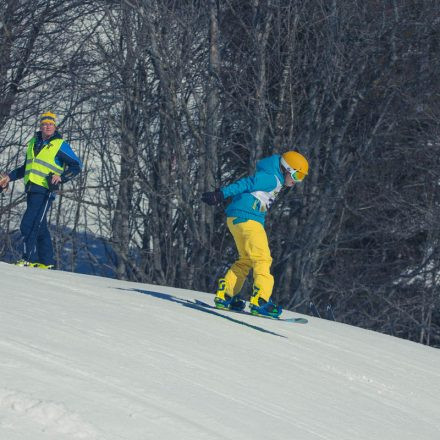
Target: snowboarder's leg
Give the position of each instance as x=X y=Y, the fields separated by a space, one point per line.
x=259 y=253
x=236 y=275
x=255 y=246
x=230 y=286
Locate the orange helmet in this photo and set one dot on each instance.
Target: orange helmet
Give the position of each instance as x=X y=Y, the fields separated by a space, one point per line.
x=296 y=164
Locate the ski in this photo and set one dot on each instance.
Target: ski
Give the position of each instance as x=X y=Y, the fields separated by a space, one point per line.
x=245 y=312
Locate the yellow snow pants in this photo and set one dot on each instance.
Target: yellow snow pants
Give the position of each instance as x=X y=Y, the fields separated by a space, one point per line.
x=253 y=253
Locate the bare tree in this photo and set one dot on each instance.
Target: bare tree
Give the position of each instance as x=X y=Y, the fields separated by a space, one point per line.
x=167 y=99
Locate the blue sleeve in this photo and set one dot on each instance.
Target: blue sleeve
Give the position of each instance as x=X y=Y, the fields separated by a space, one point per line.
x=259 y=182
x=18 y=173
x=67 y=158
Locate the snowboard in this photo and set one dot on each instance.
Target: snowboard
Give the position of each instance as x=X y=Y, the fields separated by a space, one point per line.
x=245 y=312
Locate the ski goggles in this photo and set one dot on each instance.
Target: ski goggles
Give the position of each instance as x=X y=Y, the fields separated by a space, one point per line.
x=297 y=176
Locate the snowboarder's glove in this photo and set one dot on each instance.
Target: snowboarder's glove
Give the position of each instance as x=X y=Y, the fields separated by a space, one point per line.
x=213 y=197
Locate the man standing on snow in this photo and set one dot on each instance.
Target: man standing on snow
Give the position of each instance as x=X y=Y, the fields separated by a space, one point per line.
x=49 y=162
x=252 y=197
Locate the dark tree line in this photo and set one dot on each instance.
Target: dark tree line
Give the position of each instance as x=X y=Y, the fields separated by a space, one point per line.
x=166 y=99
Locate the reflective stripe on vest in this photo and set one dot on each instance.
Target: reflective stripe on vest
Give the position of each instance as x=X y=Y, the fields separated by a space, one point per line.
x=38 y=168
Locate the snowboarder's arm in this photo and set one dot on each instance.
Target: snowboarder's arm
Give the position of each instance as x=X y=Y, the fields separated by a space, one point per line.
x=259 y=182
x=18 y=173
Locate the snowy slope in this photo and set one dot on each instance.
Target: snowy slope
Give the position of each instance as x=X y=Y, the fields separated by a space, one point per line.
x=83 y=357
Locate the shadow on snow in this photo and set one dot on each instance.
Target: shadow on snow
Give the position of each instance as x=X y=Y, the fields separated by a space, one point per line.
x=202 y=307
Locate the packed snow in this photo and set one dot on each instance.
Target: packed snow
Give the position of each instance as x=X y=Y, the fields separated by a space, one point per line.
x=83 y=357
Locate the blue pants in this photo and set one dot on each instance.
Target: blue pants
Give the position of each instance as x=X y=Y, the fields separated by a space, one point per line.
x=37 y=242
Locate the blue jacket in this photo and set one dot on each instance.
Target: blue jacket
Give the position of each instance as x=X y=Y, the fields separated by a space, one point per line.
x=253 y=195
x=65 y=157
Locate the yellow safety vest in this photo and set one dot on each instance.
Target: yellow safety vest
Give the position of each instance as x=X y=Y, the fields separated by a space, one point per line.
x=38 y=167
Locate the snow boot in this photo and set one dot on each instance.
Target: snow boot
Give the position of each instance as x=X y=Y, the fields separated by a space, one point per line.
x=43 y=266
x=261 y=307
x=234 y=303
x=223 y=300
x=23 y=263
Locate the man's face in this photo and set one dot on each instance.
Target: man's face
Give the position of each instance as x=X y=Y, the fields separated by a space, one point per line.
x=47 y=129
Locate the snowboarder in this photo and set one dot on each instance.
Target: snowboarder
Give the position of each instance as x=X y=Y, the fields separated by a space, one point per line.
x=49 y=162
x=252 y=197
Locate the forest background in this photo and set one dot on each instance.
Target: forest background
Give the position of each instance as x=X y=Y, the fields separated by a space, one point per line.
x=164 y=100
